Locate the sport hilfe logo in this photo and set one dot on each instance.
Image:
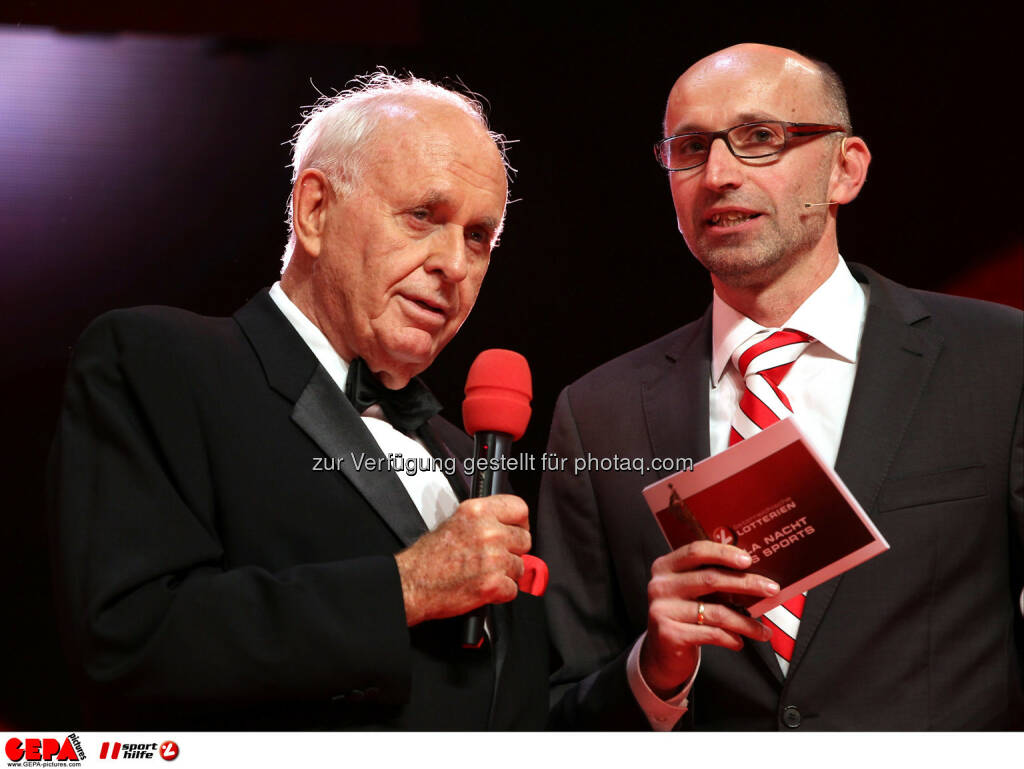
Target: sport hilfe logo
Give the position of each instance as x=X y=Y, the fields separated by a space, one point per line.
x=167 y=750
x=44 y=749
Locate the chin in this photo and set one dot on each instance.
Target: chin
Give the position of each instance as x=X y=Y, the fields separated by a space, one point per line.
x=744 y=268
x=402 y=362
x=395 y=374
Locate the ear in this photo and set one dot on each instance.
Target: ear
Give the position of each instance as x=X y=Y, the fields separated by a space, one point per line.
x=311 y=197
x=851 y=171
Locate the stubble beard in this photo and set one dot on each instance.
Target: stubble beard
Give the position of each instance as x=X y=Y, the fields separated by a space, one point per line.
x=760 y=261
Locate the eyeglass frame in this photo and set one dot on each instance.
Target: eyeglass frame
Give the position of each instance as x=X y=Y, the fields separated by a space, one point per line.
x=811 y=130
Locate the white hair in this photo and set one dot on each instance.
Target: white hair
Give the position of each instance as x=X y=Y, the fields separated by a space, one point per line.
x=333 y=134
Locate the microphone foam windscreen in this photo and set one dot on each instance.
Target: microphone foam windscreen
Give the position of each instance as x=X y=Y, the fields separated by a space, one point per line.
x=498 y=393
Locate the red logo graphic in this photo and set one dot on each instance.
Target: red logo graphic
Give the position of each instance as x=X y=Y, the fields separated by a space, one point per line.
x=44 y=749
x=168 y=750
x=105 y=748
x=724 y=535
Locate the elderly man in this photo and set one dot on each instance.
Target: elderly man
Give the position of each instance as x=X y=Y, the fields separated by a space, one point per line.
x=915 y=398
x=233 y=548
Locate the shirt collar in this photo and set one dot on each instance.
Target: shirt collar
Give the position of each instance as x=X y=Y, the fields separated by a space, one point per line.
x=314 y=338
x=825 y=315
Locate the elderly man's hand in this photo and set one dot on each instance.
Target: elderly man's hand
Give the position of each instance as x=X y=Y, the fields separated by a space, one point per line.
x=676 y=627
x=473 y=558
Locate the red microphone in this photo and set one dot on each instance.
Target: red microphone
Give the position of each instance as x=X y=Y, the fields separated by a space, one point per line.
x=495 y=412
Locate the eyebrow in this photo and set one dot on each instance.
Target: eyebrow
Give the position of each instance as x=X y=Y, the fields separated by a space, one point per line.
x=436 y=198
x=743 y=117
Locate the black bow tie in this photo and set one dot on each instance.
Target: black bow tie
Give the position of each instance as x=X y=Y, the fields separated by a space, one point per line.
x=406 y=409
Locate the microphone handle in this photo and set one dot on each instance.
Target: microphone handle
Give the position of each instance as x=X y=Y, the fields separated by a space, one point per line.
x=471 y=634
x=489 y=449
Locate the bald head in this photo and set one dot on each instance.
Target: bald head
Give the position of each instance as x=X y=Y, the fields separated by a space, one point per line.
x=761 y=68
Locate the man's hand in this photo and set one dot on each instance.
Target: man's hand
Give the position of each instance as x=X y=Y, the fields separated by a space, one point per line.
x=472 y=559
x=674 y=627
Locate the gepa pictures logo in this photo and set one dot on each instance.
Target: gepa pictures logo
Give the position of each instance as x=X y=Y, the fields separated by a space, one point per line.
x=48 y=749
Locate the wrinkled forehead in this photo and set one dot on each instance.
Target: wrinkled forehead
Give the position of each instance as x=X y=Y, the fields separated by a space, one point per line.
x=726 y=89
x=439 y=134
x=439 y=156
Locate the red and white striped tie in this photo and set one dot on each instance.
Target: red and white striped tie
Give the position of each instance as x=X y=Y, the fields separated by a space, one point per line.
x=763 y=362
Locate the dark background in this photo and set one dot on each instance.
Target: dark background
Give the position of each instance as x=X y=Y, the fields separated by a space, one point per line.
x=143 y=161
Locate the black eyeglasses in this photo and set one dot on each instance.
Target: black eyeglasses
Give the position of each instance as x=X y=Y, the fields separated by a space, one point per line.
x=747 y=140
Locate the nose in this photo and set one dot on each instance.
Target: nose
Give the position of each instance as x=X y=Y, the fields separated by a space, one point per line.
x=448 y=254
x=722 y=170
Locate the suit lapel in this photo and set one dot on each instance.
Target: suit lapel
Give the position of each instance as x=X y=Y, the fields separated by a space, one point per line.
x=677 y=421
x=895 y=361
x=324 y=414
x=432 y=434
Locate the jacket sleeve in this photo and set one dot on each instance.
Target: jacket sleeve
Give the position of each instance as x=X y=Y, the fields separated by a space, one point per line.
x=589 y=631
x=1016 y=513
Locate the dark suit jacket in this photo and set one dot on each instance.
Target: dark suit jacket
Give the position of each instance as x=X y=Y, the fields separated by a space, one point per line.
x=925 y=636
x=209 y=576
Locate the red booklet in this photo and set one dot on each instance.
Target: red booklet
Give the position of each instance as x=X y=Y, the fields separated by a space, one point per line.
x=773 y=496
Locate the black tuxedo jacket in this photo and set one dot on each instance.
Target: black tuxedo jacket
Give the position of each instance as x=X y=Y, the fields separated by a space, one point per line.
x=209 y=575
x=925 y=636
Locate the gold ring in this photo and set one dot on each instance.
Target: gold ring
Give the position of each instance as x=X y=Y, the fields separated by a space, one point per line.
x=700 y=614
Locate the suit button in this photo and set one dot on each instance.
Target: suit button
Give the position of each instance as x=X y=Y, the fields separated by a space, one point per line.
x=356 y=695
x=791 y=716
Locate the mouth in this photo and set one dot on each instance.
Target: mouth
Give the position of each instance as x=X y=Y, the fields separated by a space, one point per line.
x=436 y=309
x=730 y=218
x=428 y=306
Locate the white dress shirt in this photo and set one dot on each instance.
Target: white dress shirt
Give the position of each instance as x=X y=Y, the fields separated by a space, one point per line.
x=820 y=382
x=428 y=489
x=818 y=386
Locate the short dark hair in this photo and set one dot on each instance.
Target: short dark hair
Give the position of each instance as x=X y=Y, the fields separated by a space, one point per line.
x=835 y=94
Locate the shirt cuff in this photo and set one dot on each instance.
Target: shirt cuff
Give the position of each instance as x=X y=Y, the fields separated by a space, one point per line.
x=661 y=714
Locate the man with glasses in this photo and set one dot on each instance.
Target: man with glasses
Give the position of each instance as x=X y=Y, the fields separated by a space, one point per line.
x=239 y=541
x=914 y=397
